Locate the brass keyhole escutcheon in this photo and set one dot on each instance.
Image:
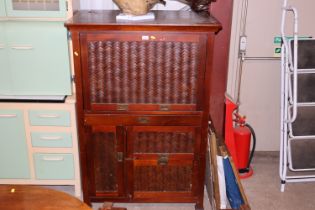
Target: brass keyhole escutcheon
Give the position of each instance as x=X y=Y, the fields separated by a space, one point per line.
x=163 y=160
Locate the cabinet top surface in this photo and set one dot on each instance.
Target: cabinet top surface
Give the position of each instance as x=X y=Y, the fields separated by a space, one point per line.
x=163 y=19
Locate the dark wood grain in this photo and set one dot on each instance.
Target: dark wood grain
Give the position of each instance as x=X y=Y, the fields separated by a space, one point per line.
x=169 y=20
x=149 y=84
x=223 y=11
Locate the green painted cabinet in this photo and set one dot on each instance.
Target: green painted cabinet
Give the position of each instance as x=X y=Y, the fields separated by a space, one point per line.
x=35 y=59
x=2 y=8
x=14 y=162
x=5 y=75
x=54 y=166
x=39 y=52
x=38 y=8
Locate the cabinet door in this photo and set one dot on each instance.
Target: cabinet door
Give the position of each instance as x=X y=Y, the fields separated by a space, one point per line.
x=164 y=162
x=38 y=58
x=14 y=162
x=2 y=8
x=139 y=71
x=39 y=8
x=5 y=74
x=105 y=161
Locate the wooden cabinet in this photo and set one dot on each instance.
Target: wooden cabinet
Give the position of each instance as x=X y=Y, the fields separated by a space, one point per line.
x=143 y=103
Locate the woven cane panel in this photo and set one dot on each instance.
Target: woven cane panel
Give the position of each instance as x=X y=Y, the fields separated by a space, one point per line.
x=164 y=142
x=105 y=162
x=163 y=178
x=143 y=72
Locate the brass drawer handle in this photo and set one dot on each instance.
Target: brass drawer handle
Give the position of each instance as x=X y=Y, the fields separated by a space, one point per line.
x=163 y=160
x=143 y=120
x=164 y=107
x=122 y=107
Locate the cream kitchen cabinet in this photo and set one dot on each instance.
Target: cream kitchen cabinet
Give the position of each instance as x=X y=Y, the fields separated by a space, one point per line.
x=34 y=54
x=38 y=144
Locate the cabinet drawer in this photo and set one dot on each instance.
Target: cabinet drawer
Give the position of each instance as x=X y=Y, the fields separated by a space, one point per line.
x=143 y=120
x=54 y=166
x=49 y=118
x=41 y=139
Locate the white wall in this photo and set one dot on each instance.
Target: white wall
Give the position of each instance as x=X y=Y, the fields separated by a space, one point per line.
x=260 y=92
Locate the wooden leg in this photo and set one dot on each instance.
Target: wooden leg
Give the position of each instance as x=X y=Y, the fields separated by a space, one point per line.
x=199 y=206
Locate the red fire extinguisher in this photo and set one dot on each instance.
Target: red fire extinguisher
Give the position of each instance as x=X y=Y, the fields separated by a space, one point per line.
x=242 y=137
x=238 y=139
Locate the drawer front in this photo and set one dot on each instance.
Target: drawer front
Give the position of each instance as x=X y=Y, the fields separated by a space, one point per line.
x=47 y=43
x=143 y=120
x=30 y=8
x=54 y=166
x=49 y=118
x=52 y=139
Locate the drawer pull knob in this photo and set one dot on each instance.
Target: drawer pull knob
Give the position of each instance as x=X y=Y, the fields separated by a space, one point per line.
x=143 y=120
x=163 y=160
x=76 y=53
x=53 y=158
x=49 y=116
x=51 y=138
x=8 y=116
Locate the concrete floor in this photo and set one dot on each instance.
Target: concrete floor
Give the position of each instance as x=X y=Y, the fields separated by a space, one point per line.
x=262 y=190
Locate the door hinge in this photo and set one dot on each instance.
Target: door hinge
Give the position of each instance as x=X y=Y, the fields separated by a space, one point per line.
x=120 y=156
x=69 y=35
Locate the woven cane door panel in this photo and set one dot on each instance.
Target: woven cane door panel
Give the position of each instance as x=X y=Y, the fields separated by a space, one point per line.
x=105 y=164
x=162 y=178
x=160 y=73
x=163 y=159
x=148 y=140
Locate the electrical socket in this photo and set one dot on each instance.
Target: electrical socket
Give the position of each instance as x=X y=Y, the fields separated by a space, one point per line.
x=243 y=44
